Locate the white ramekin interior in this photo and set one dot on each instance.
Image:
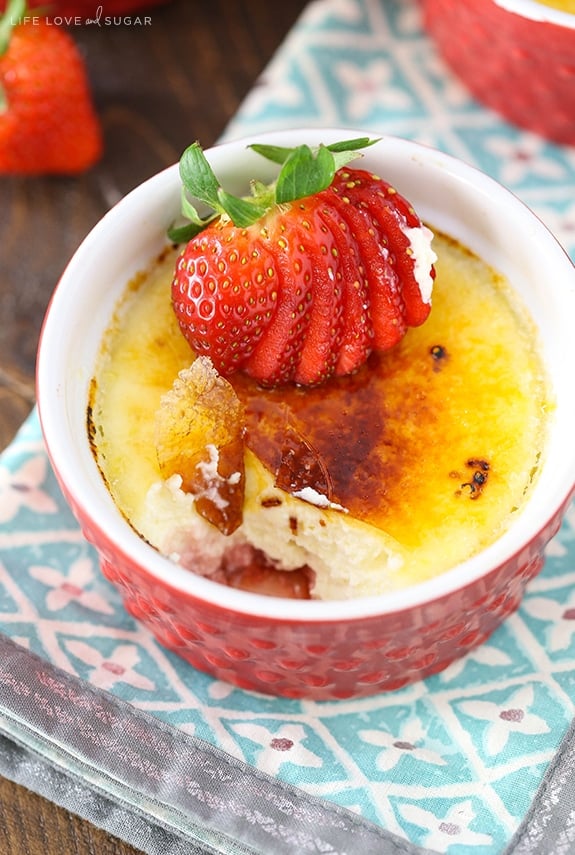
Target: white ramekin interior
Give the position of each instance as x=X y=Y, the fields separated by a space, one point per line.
x=448 y=194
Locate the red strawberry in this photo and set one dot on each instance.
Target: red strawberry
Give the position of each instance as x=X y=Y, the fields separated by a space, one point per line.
x=226 y=300
x=384 y=306
x=48 y=123
x=394 y=216
x=305 y=278
x=357 y=338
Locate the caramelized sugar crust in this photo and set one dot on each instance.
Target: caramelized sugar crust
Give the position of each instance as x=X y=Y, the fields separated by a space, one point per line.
x=434 y=428
x=335 y=441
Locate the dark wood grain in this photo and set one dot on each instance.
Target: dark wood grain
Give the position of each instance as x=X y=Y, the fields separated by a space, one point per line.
x=157 y=88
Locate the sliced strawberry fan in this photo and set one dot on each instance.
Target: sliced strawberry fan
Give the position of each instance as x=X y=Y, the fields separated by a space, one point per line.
x=304 y=278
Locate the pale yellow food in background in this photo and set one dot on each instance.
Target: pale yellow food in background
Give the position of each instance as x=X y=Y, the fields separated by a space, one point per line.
x=486 y=401
x=562 y=5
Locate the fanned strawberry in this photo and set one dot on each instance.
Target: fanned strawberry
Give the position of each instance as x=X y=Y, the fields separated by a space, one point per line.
x=304 y=278
x=317 y=354
x=275 y=358
x=357 y=338
x=396 y=219
x=386 y=306
x=48 y=123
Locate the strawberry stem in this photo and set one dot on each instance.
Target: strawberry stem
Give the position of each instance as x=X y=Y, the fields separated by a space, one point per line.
x=304 y=172
x=11 y=17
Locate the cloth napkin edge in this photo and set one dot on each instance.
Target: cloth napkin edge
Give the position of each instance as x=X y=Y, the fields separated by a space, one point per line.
x=211 y=793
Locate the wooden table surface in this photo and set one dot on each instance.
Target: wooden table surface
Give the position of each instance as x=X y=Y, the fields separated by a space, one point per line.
x=157 y=88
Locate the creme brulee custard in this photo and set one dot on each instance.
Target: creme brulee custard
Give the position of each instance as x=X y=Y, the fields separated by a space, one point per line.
x=420 y=458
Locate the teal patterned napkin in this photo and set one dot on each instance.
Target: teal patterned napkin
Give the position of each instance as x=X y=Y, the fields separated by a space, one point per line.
x=467 y=761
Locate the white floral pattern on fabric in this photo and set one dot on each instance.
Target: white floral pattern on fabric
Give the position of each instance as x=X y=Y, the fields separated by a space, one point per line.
x=284 y=744
x=449 y=829
x=512 y=716
x=106 y=671
x=22 y=489
x=370 y=87
x=409 y=740
x=71 y=587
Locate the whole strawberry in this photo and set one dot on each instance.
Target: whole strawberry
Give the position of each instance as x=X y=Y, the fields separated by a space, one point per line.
x=47 y=120
x=302 y=280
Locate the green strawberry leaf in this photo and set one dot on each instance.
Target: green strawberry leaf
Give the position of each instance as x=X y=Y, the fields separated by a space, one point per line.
x=178 y=234
x=303 y=174
x=198 y=177
x=200 y=182
x=279 y=154
x=242 y=212
x=14 y=12
x=183 y=234
x=352 y=145
x=305 y=171
x=348 y=150
x=275 y=153
x=189 y=211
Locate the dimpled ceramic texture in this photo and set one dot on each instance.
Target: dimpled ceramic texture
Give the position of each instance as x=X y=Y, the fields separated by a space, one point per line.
x=516 y=56
x=294 y=648
x=315 y=659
